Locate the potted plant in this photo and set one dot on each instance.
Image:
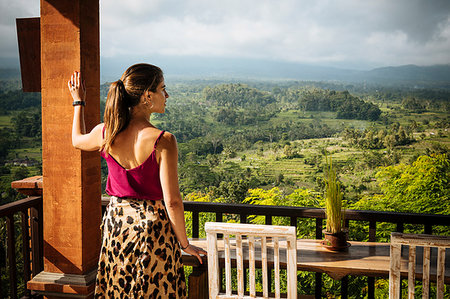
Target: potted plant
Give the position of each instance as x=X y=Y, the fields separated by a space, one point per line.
x=335 y=235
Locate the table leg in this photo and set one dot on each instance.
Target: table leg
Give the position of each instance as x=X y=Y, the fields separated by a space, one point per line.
x=371 y=287
x=198 y=283
x=318 y=287
x=344 y=287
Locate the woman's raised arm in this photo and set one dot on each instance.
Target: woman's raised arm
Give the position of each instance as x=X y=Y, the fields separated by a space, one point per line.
x=91 y=141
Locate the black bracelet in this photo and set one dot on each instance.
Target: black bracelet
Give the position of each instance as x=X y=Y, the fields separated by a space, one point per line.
x=77 y=103
x=183 y=248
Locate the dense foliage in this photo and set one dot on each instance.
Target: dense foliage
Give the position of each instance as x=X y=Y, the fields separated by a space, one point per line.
x=16 y=100
x=346 y=105
x=373 y=138
x=421 y=187
x=237 y=95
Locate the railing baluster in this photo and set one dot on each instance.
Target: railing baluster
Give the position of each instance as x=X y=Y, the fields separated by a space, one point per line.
x=219 y=217
x=25 y=249
x=41 y=236
x=318 y=276
x=243 y=218
x=428 y=229
x=11 y=256
x=371 y=280
x=268 y=221
x=372 y=231
x=294 y=222
x=346 y=223
x=319 y=228
x=36 y=252
x=195 y=224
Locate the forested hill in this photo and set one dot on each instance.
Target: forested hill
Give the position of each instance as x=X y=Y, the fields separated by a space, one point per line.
x=411 y=73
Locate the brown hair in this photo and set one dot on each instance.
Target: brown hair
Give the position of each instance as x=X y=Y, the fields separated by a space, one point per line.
x=124 y=94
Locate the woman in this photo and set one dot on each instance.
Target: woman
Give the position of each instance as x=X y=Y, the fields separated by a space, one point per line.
x=143 y=227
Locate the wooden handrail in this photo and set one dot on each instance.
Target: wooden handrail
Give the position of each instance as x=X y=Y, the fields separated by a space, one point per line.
x=20 y=205
x=301 y=212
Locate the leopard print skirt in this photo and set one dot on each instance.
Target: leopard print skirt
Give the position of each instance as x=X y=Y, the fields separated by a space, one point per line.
x=140 y=255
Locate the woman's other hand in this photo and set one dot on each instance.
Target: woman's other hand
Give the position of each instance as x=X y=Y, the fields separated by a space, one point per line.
x=195 y=251
x=76 y=87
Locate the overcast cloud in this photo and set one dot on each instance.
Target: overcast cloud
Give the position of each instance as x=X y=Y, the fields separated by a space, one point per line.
x=353 y=33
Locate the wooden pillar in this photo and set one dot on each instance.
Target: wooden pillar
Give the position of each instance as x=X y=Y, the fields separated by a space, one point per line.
x=71 y=178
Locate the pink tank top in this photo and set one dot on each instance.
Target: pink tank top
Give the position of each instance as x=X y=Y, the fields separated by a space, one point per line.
x=141 y=182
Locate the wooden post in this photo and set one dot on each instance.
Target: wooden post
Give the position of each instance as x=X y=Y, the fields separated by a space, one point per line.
x=29 y=39
x=71 y=178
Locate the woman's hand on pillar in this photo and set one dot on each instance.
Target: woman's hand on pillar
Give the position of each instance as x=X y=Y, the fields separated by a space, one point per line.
x=76 y=87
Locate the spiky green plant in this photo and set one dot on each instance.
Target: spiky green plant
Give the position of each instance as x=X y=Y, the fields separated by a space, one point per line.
x=333 y=200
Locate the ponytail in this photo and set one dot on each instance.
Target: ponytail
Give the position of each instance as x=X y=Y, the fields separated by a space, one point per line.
x=117 y=114
x=123 y=95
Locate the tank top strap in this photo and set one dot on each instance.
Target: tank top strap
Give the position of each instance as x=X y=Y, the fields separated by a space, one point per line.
x=157 y=139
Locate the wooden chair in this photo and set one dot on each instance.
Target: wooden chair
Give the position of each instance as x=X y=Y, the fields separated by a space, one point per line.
x=254 y=234
x=414 y=241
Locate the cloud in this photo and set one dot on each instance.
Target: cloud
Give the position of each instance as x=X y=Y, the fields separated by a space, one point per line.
x=9 y=11
x=378 y=32
x=345 y=32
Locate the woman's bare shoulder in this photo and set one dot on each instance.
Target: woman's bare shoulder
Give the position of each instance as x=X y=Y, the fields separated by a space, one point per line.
x=150 y=135
x=99 y=127
x=98 y=131
x=168 y=141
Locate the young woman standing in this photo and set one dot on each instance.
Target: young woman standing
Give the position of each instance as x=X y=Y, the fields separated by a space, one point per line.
x=143 y=227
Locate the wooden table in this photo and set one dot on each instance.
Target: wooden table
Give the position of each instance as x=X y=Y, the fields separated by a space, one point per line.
x=361 y=258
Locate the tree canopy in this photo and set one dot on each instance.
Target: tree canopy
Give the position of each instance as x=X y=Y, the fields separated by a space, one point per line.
x=422 y=187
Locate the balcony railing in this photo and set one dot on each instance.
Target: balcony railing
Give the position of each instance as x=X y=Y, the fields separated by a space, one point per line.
x=29 y=213
x=25 y=218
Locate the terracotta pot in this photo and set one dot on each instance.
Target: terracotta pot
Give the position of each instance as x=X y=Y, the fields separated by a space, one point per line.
x=337 y=241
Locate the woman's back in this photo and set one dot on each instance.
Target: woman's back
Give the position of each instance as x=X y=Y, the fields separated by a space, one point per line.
x=134 y=145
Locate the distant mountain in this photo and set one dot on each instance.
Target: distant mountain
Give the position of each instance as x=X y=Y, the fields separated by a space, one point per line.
x=239 y=68
x=9 y=73
x=236 y=68
x=410 y=73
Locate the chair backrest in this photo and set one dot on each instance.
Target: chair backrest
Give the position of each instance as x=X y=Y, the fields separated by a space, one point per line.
x=414 y=241
x=257 y=237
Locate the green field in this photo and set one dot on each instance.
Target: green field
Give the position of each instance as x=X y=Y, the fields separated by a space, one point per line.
x=5 y=121
x=31 y=153
x=267 y=162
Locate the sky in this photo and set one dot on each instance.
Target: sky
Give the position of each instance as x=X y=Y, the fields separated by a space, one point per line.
x=352 y=34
